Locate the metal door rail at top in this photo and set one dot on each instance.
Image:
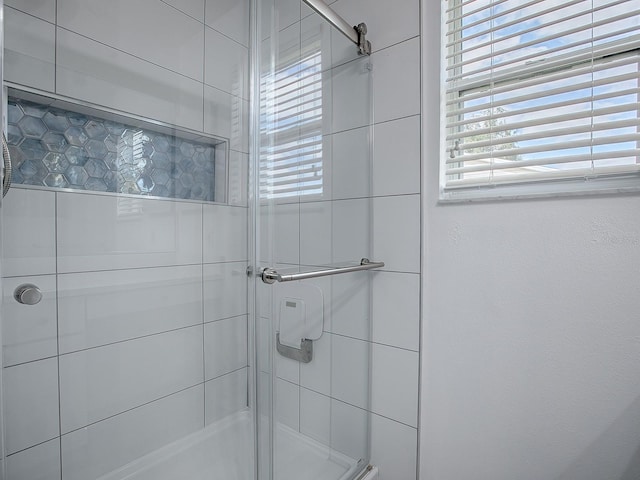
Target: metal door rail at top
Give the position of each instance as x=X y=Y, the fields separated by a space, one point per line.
x=270 y=276
x=355 y=34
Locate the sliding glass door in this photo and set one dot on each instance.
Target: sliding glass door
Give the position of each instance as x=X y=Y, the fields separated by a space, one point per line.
x=313 y=212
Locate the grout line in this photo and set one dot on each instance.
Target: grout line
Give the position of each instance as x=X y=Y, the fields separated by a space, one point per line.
x=371 y=342
x=80 y=272
x=33 y=446
x=230 y=262
x=204 y=22
x=396 y=119
x=372 y=124
x=28 y=362
x=231 y=95
x=204 y=67
x=182 y=11
x=126 y=269
x=130 y=54
x=371 y=197
x=55 y=236
x=11 y=7
x=182 y=390
x=226 y=36
x=118 y=195
x=391 y=419
x=230 y=372
x=408 y=39
x=55 y=51
x=155 y=334
x=181 y=74
x=423 y=226
x=346 y=403
x=226 y=318
x=204 y=363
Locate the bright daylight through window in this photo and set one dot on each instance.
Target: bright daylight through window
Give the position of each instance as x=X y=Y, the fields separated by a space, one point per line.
x=291 y=159
x=542 y=96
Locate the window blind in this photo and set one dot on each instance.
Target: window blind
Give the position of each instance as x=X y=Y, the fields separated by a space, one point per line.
x=539 y=91
x=291 y=159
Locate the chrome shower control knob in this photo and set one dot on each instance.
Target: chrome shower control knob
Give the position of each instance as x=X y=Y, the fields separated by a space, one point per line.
x=27 y=294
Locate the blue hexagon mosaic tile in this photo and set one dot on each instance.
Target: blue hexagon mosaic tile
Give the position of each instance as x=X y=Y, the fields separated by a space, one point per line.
x=62 y=149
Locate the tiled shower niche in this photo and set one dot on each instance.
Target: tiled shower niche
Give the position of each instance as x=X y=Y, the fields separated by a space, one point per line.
x=56 y=148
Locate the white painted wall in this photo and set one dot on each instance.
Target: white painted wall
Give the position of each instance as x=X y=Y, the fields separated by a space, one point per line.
x=531 y=338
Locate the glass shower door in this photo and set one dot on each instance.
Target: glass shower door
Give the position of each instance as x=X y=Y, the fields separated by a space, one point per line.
x=124 y=242
x=313 y=212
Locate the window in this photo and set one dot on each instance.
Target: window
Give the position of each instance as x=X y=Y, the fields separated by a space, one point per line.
x=291 y=159
x=542 y=96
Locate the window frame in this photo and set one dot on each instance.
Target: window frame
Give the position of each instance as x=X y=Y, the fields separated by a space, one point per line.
x=618 y=183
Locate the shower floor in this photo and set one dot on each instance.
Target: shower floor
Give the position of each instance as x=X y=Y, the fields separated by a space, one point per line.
x=220 y=452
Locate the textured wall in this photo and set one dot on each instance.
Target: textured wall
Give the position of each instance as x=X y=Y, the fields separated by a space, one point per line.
x=530 y=329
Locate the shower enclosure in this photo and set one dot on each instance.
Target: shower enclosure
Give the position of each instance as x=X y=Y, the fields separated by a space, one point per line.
x=184 y=262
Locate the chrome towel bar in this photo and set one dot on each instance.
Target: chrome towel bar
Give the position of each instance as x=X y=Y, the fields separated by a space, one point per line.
x=270 y=276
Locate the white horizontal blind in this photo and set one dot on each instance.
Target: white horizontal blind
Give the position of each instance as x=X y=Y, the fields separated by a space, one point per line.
x=541 y=90
x=291 y=158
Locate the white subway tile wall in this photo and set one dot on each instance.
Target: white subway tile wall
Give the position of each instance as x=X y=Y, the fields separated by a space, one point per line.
x=287 y=401
x=128 y=283
x=349 y=429
x=227 y=65
x=97 y=68
x=32 y=213
x=91 y=71
x=225 y=395
x=181 y=51
x=370 y=205
x=29 y=332
x=104 y=446
x=397 y=96
x=394 y=448
x=97 y=232
x=98 y=383
x=396 y=157
x=121 y=56
x=43 y=9
x=351 y=173
x=41 y=462
x=193 y=8
x=229 y=17
x=31 y=404
x=225 y=234
x=114 y=317
x=100 y=308
x=315 y=415
x=227 y=342
x=225 y=290
x=29 y=50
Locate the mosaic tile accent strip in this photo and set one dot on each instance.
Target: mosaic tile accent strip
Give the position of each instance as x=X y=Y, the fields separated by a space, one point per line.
x=62 y=149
